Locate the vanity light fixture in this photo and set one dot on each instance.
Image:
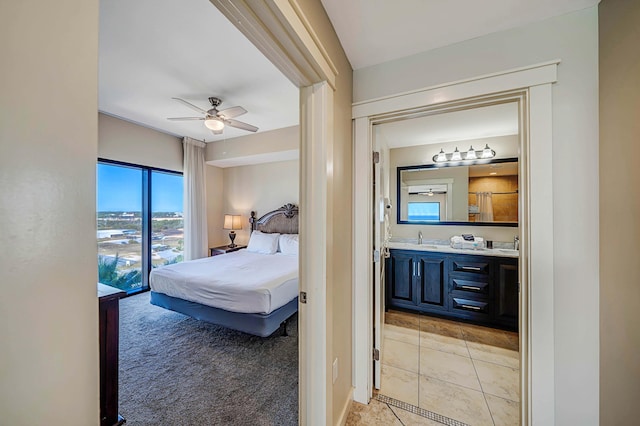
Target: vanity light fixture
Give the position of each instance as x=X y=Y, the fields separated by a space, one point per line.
x=488 y=152
x=456 y=156
x=469 y=155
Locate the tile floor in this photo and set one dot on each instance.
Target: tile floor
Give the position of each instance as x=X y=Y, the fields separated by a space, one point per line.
x=464 y=372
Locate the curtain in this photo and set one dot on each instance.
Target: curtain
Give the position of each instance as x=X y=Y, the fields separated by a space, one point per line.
x=195 y=207
x=485 y=206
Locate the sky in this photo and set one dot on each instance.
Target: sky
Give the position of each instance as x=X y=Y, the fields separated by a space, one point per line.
x=120 y=189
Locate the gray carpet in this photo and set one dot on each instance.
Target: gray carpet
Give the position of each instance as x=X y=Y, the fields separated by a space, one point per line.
x=175 y=370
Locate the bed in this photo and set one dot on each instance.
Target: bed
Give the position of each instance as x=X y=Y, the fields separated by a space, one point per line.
x=253 y=290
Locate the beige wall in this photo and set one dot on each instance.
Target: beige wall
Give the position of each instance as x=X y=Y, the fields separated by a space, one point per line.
x=339 y=280
x=48 y=146
x=572 y=38
x=122 y=140
x=619 y=211
x=215 y=207
x=239 y=190
x=255 y=148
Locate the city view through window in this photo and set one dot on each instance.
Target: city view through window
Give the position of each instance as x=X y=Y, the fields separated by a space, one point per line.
x=124 y=211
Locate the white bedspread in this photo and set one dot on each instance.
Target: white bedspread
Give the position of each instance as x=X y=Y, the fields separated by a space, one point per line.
x=240 y=281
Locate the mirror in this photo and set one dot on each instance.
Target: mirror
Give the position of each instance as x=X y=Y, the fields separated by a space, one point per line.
x=477 y=194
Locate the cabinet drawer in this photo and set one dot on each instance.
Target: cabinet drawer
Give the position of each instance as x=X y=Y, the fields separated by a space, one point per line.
x=475 y=266
x=470 y=308
x=481 y=286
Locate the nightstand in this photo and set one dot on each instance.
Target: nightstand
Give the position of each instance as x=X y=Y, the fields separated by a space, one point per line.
x=214 y=251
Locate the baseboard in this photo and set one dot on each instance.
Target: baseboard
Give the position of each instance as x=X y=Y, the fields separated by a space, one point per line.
x=342 y=420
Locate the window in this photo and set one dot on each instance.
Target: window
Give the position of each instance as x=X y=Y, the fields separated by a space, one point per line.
x=425 y=211
x=139 y=221
x=167 y=224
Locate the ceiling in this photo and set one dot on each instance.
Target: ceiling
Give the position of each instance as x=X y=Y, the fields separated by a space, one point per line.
x=376 y=31
x=153 y=50
x=476 y=123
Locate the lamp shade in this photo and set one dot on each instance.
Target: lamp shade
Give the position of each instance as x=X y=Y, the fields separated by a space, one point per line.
x=456 y=156
x=232 y=221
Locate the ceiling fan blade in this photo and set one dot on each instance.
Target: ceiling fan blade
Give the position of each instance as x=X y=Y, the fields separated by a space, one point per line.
x=190 y=105
x=232 y=112
x=240 y=125
x=185 y=118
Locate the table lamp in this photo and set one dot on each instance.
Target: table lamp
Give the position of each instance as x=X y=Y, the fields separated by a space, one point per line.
x=232 y=222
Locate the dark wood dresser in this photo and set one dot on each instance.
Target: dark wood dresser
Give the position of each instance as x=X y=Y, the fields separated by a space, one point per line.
x=108 y=300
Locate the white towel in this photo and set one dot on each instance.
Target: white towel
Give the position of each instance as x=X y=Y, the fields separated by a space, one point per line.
x=457 y=242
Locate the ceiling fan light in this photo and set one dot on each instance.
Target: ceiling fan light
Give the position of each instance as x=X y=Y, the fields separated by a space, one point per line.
x=214 y=124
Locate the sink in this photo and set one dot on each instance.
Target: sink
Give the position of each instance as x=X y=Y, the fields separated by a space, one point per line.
x=509 y=251
x=408 y=244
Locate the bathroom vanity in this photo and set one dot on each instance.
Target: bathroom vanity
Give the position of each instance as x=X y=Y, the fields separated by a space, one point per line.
x=480 y=286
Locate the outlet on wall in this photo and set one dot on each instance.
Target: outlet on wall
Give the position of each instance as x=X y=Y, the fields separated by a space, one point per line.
x=335 y=370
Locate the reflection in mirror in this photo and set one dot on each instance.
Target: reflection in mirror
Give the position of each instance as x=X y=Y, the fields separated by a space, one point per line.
x=483 y=194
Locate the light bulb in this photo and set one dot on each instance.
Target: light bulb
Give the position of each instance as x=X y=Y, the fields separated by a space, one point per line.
x=456 y=155
x=487 y=152
x=214 y=124
x=441 y=156
x=471 y=154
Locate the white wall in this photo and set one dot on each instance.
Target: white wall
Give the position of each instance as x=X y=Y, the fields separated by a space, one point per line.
x=48 y=145
x=239 y=190
x=572 y=38
x=122 y=140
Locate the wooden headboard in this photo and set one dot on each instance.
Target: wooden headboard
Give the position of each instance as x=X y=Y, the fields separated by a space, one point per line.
x=283 y=220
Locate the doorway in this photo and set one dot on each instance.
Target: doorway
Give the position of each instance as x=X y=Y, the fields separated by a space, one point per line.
x=536 y=249
x=448 y=332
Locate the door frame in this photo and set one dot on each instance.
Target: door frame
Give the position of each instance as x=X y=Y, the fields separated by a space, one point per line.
x=281 y=31
x=531 y=87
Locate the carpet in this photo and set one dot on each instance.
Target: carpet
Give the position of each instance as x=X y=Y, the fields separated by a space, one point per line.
x=175 y=370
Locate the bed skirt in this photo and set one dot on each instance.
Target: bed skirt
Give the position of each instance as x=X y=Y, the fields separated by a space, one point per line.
x=262 y=325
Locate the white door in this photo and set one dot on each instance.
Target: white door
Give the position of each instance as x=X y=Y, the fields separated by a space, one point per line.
x=378 y=263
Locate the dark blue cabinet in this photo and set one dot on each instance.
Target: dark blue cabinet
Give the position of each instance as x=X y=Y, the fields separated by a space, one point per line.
x=480 y=289
x=416 y=280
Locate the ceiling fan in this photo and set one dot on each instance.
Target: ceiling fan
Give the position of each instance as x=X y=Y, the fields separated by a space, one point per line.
x=216 y=120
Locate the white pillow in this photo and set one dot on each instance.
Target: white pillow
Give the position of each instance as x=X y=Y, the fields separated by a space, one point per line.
x=259 y=242
x=288 y=243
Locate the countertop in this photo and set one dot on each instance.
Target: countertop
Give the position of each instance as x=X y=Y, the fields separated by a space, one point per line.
x=498 y=252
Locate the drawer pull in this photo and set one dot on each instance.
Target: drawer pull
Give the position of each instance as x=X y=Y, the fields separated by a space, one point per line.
x=470 y=287
x=470 y=268
x=473 y=308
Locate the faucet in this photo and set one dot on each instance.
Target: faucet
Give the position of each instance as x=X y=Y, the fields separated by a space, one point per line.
x=419 y=237
x=516 y=243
